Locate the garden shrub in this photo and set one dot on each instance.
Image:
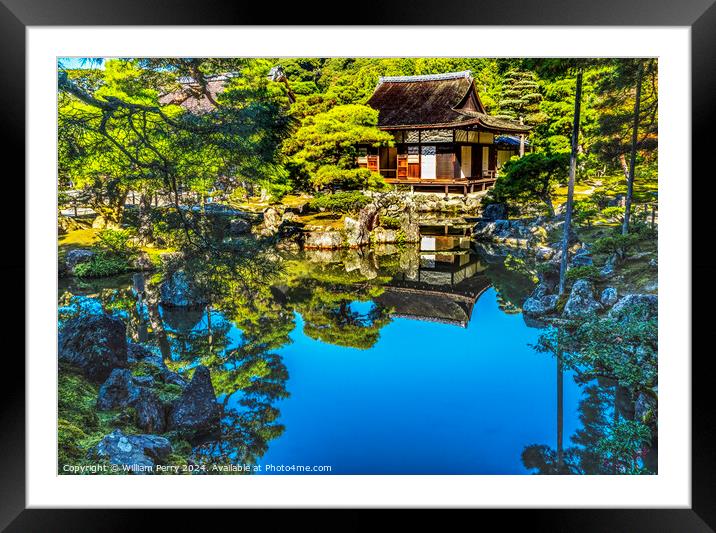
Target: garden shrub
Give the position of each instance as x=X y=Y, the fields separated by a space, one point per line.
x=616 y=244
x=102 y=264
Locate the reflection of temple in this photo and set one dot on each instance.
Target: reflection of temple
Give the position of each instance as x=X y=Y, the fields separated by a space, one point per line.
x=445 y=286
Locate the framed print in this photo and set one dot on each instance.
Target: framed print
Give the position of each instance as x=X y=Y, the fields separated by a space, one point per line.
x=392 y=266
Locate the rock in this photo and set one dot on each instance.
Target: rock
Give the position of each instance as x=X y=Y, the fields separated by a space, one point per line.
x=323 y=240
x=271 y=223
x=239 y=226
x=196 y=413
x=540 y=302
x=143 y=381
x=581 y=300
x=645 y=408
x=137 y=352
x=608 y=268
x=537 y=306
x=409 y=224
x=172 y=378
x=75 y=257
x=97 y=344
x=608 y=297
x=383 y=235
x=118 y=392
x=143 y=262
x=358 y=230
x=138 y=452
x=150 y=412
x=177 y=290
x=544 y=253
x=353 y=230
x=495 y=212
x=582 y=258
x=636 y=307
x=549 y=276
x=653 y=263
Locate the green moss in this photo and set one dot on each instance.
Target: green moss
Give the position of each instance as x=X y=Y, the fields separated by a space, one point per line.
x=561 y=302
x=143 y=368
x=589 y=272
x=167 y=392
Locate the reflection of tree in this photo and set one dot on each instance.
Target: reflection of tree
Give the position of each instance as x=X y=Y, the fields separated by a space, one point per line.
x=512 y=287
x=607 y=443
x=323 y=295
x=248 y=378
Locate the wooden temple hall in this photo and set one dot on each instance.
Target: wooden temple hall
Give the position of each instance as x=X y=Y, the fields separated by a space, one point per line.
x=444 y=138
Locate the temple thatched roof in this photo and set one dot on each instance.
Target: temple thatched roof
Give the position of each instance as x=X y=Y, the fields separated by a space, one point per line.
x=435 y=101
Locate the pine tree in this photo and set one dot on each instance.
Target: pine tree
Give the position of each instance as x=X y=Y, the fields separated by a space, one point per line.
x=521 y=98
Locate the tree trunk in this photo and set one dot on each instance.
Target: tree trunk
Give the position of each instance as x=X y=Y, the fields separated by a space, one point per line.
x=145 y=229
x=632 y=159
x=625 y=167
x=570 y=186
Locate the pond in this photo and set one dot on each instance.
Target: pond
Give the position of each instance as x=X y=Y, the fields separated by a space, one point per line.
x=397 y=360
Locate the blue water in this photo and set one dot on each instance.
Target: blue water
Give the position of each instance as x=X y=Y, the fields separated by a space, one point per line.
x=427 y=398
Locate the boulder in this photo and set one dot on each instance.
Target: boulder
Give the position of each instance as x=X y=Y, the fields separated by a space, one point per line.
x=540 y=302
x=356 y=237
x=495 y=212
x=150 y=412
x=541 y=305
x=409 y=224
x=581 y=300
x=138 y=452
x=196 y=414
x=608 y=268
x=97 y=344
x=239 y=226
x=383 y=235
x=118 y=391
x=582 y=257
x=323 y=240
x=177 y=290
x=75 y=257
x=608 y=297
x=137 y=352
x=271 y=222
x=636 y=307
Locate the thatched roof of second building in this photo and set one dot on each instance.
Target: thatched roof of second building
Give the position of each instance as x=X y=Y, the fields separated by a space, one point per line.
x=435 y=101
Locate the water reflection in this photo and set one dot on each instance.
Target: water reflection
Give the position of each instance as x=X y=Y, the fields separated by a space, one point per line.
x=413 y=315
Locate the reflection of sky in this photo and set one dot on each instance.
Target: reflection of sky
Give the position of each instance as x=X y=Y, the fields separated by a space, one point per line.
x=427 y=398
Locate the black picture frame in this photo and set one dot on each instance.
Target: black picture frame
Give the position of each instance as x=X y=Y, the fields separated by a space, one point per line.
x=699 y=15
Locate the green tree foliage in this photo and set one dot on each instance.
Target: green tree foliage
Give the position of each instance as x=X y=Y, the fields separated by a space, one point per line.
x=117 y=134
x=521 y=97
x=616 y=92
x=620 y=348
x=531 y=178
x=324 y=148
